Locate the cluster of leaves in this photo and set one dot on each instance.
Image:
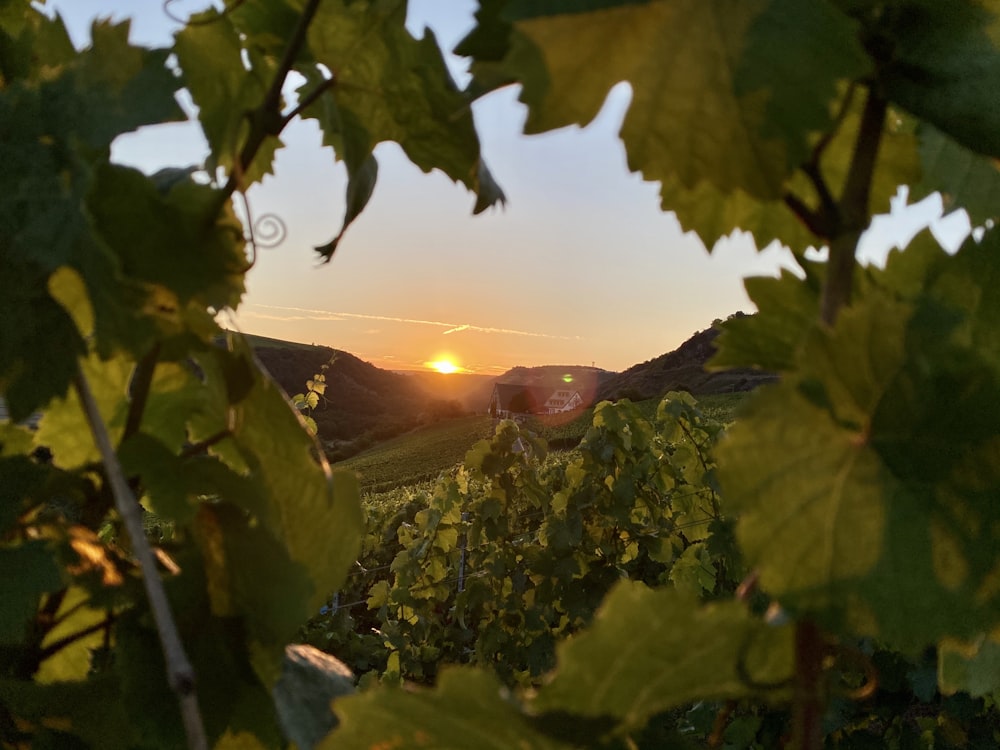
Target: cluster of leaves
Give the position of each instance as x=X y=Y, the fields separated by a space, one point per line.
x=111 y=283
x=305 y=402
x=863 y=485
x=515 y=552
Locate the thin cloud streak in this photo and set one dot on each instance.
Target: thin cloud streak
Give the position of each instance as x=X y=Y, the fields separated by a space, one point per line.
x=452 y=327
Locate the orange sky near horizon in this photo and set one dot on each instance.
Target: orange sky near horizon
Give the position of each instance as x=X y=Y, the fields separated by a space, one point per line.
x=582 y=267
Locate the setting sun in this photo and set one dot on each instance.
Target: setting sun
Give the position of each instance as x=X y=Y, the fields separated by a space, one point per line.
x=444 y=366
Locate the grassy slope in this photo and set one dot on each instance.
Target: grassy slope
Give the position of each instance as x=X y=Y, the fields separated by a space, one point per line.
x=426 y=452
x=418 y=455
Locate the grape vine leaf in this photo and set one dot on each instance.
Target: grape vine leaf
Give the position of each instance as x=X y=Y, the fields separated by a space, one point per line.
x=115 y=87
x=77 y=612
x=390 y=86
x=314 y=513
x=724 y=144
x=787 y=308
x=649 y=650
x=64 y=428
x=468 y=708
x=169 y=241
x=684 y=119
x=944 y=55
x=57 y=125
x=250 y=574
x=26 y=572
x=91 y=709
x=819 y=47
x=210 y=53
x=971 y=667
x=858 y=496
x=965 y=179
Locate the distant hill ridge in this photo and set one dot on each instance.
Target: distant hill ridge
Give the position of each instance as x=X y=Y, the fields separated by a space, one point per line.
x=366 y=404
x=682 y=369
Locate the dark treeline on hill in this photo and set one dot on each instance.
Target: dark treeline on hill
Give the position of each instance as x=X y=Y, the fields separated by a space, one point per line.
x=682 y=370
x=365 y=404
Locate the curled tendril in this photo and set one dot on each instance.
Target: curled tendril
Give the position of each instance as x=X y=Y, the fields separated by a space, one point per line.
x=854 y=655
x=264 y=232
x=270 y=231
x=226 y=10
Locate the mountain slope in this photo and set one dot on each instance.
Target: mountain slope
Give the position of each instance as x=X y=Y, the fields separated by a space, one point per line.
x=681 y=369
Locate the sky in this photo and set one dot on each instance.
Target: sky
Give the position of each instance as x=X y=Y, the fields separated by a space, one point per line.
x=581 y=267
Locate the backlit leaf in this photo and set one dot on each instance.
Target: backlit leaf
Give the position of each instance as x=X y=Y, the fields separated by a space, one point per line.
x=650 y=650
x=390 y=86
x=468 y=708
x=965 y=179
x=225 y=90
x=857 y=495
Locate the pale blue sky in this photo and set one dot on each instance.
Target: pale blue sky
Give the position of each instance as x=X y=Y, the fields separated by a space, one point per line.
x=581 y=266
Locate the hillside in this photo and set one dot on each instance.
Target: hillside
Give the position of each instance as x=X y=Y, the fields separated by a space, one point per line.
x=363 y=403
x=681 y=369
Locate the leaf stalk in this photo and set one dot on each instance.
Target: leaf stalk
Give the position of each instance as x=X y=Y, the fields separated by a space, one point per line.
x=180 y=673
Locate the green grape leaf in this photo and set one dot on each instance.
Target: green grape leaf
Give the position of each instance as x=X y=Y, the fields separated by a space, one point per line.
x=468 y=708
x=251 y=574
x=27 y=571
x=684 y=120
x=965 y=179
x=32 y=42
x=21 y=483
x=970 y=667
x=390 y=86
x=169 y=241
x=651 y=650
x=857 y=495
x=787 y=308
x=807 y=493
x=819 y=47
x=266 y=24
x=210 y=53
x=91 y=710
x=747 y=99
x=714 y=215
x=64 y=428
x=174 y=484
x=117 y=88
x=38 y=340
x=967 y=282
x=77 y=612
x=693 y=572
x=724 y=154
x=360 y=186
x=944 y=55
x=314 y=514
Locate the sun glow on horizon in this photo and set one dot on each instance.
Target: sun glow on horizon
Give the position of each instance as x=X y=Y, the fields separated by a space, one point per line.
x=443 y=366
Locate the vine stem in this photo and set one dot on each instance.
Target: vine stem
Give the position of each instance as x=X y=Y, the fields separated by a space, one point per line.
x=180 y=673
x=807 y=699
x=853 y=208
x=266 y=120
x=852 y=218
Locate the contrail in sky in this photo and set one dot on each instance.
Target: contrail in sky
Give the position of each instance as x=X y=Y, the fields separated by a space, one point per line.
x=452 y=327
